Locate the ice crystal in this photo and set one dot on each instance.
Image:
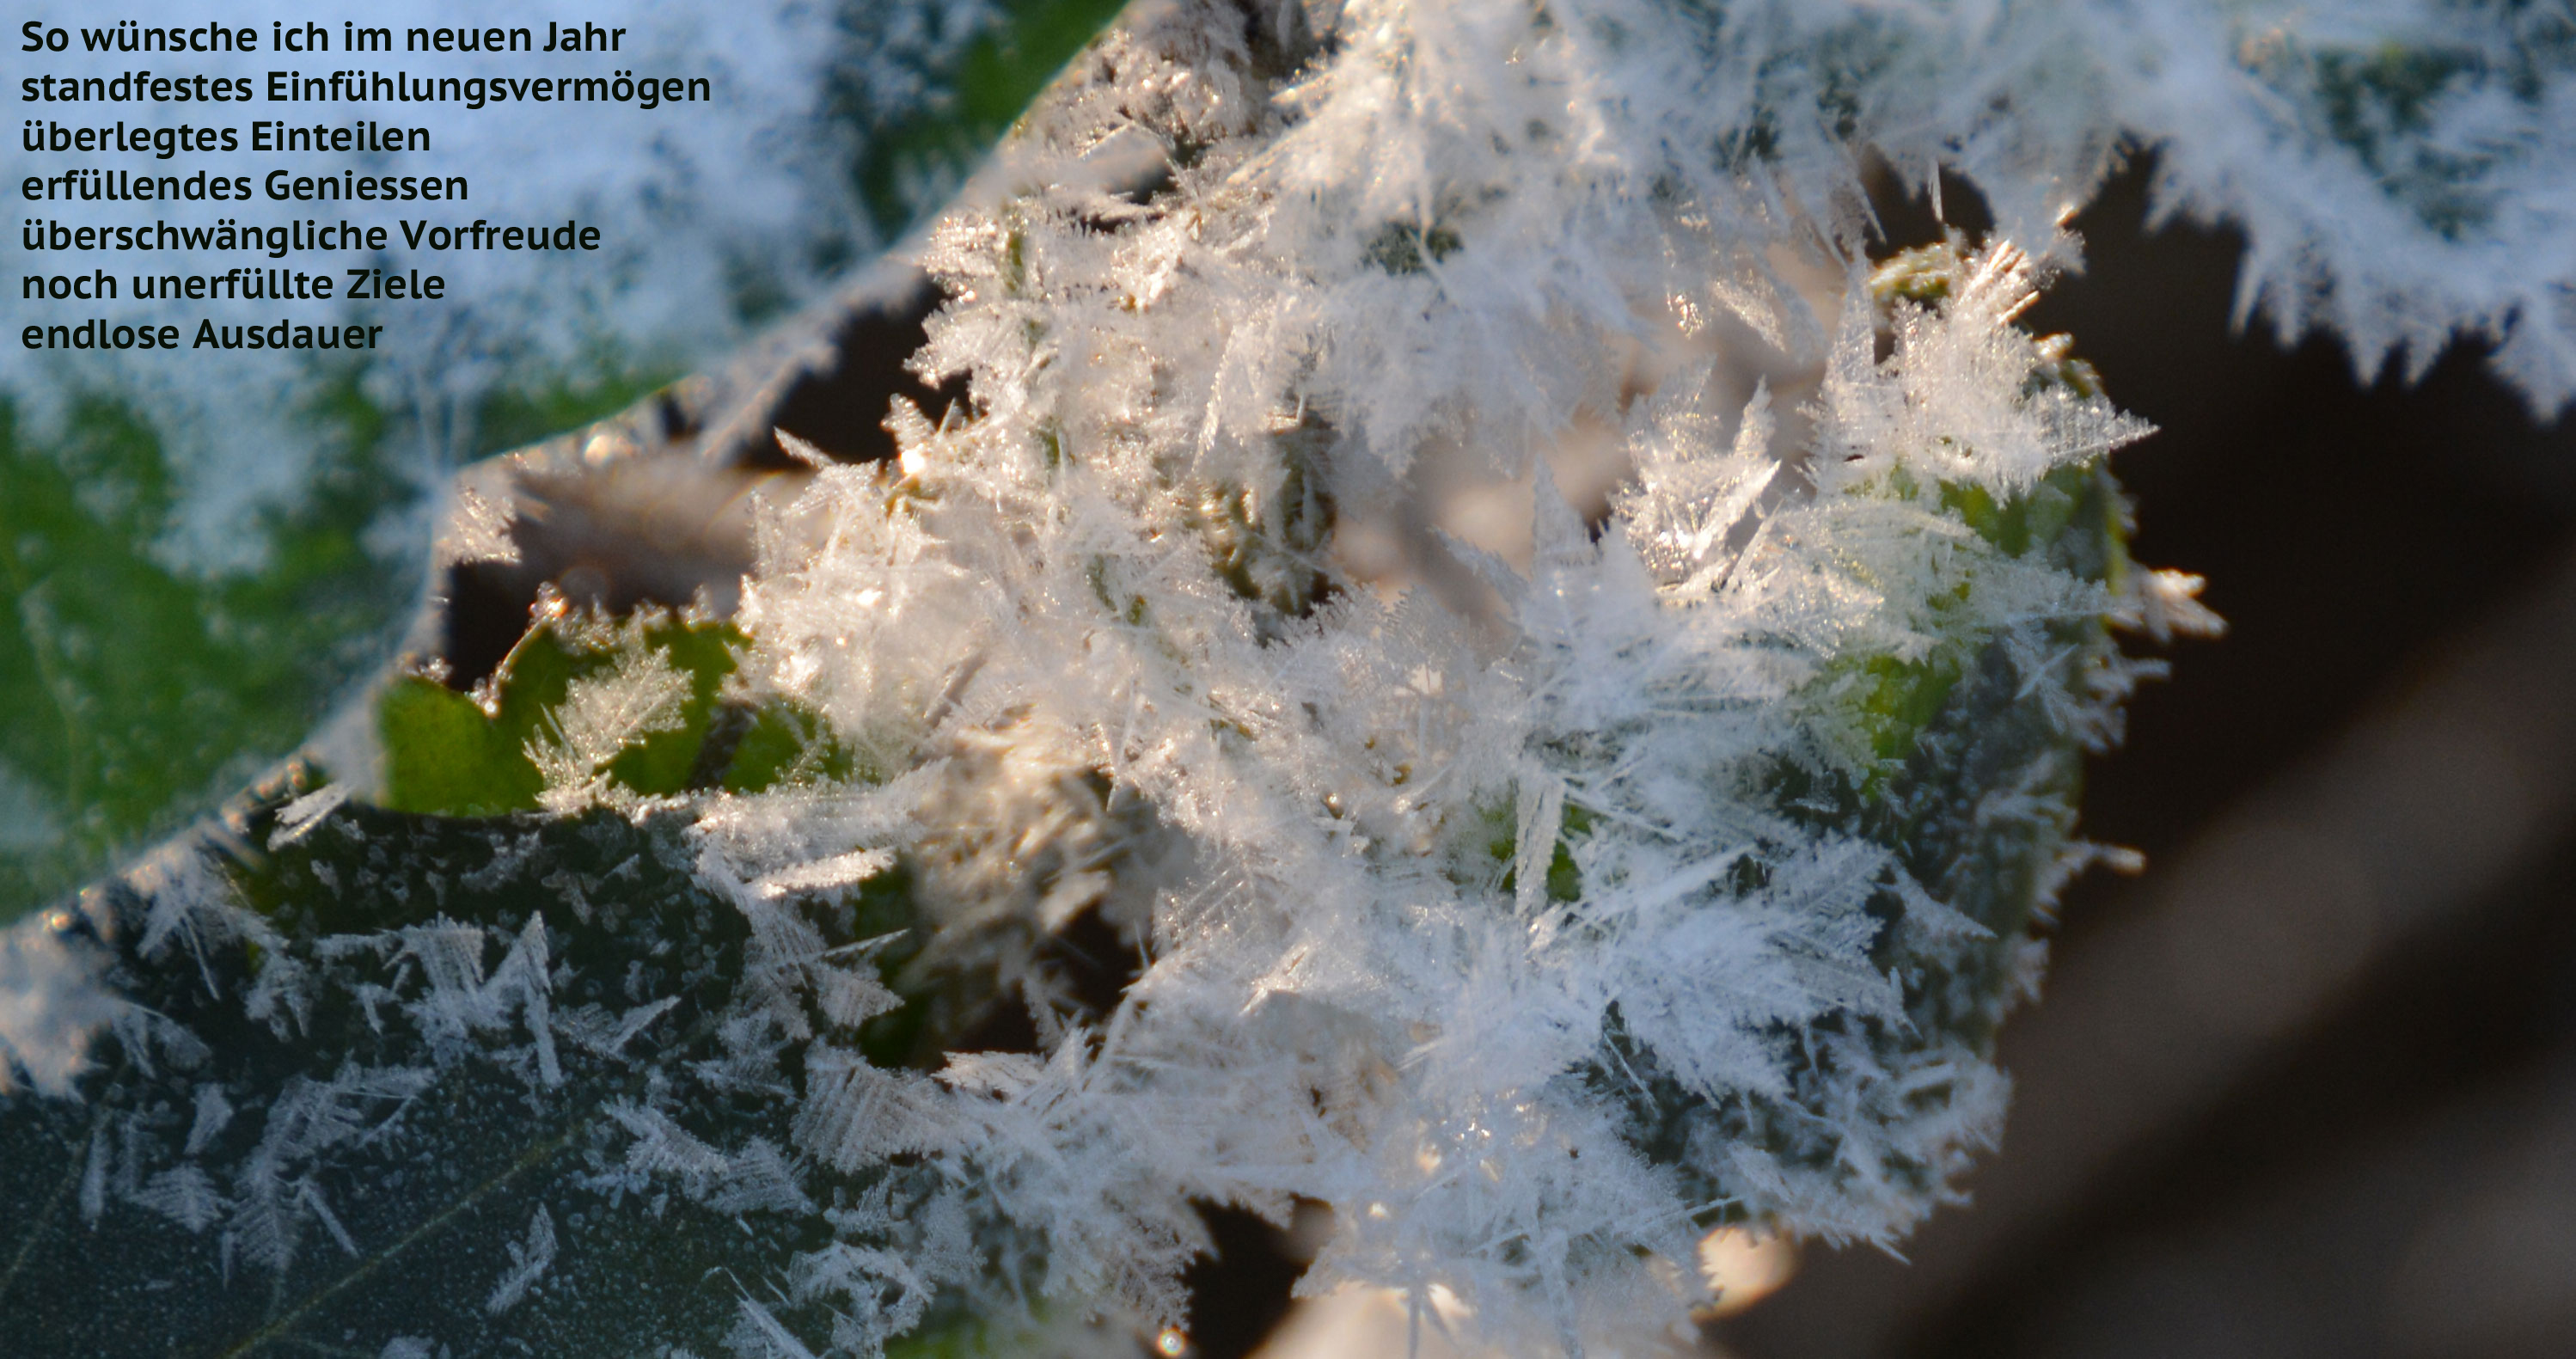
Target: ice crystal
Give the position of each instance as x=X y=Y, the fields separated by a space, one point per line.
x=607 y=715
x=1532 y=910
x=528 y=1263
x=1531 y=918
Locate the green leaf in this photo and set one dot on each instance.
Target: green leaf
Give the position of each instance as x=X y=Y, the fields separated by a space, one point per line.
x=142 y=692
x=444 y=754
x=314 y=1153
x=1974 y=795
x=541 y=403
x=462 y=755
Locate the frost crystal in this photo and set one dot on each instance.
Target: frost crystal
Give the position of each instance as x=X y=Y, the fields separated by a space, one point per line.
x=528 y=1263
x=1535 y=890
x=606 y=716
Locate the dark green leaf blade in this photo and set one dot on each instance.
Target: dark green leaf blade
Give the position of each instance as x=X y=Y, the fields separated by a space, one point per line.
x=423 y=1174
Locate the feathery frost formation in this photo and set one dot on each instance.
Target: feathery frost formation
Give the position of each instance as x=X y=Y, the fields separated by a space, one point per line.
x=1534 y=904
x=1211 y=795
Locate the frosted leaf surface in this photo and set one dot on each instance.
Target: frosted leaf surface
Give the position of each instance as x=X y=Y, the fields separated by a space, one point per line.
x=2402 y=170
x=1218 y=812
x=463 y=1115
x=1536 y=906
x=603 y=716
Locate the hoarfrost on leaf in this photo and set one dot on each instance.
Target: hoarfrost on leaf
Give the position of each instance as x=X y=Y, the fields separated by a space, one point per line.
x=1448 y=880
x=604 y=716
x=529 y=1261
